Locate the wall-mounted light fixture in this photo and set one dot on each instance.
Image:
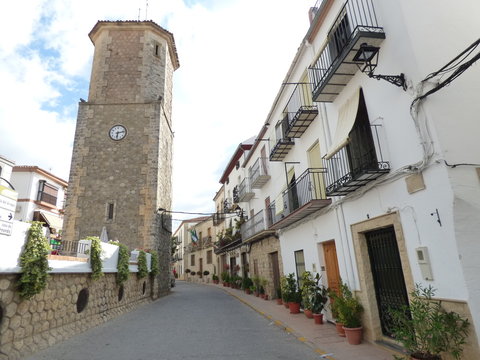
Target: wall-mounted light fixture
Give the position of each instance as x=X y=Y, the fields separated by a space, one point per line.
x=368 y=55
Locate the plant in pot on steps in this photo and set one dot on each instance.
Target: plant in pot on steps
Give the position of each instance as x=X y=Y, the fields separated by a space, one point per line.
x=294 y=294
x=263 y=288
x=318 y=299
x=247 y=283
x=256 y=283
x=426 y=329
x=336 y=302
x=350 y=314
x=308 y=287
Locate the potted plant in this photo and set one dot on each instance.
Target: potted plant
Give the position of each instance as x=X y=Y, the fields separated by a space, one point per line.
x=295 y=294
x=279 y=296
x=318 y=299
x=308 y=286
x=256 y=283
x=426 y=329
x=225 y=278
x=246 y=284
x=263 y=286
x=284 y=291
x=350 y=314
x=215 y=279
x=336 y=302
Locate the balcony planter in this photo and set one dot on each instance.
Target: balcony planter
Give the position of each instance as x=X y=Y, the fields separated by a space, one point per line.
x=294 y=307
x=318 y=318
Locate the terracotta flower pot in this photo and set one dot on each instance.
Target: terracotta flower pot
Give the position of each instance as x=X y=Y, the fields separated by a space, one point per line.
x=247 y=291
x=308 y=313
x=279 y=301
x=340 y=330
x=266 y=297
x=294 y=307
x=417 y=356
x=354 y=335
x=318 y=318
x=286 y=305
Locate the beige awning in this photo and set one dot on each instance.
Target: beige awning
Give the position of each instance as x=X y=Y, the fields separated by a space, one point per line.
x=346 y=120
x=52 y=220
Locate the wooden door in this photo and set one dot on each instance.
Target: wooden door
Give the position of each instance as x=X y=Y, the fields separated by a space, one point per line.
x=275 y=271
x=331 y=265
x=201 y=267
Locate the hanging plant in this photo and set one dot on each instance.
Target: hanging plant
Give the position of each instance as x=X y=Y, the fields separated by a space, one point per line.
x=95 y=257
x=34 y=263
x=142 y=264
x=154 y=270
x=122 y=265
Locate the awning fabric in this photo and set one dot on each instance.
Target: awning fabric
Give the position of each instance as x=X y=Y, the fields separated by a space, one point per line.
x=52 y=220
x=346 y=120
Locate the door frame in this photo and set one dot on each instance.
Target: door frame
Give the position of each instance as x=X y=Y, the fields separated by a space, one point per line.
x=366 y=294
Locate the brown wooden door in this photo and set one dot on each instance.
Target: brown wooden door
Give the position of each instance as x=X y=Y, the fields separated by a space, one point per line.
x=201 y=267
x=331 y=265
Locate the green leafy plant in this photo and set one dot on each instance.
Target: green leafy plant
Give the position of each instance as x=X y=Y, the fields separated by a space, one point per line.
x=256 y=282
x=142 y=264
x=284 y=289
x=154 y=270
x=34 y=263
x=319 y=296
x=95 y=257
x=294 y=294
x=214 y=277
x=346 y=307
x=225 y=276
x=308 y=287
x=123 y=271
x=246 y=283
x=426 y=329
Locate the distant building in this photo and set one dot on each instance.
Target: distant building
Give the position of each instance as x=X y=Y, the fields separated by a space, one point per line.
x=41 y=197
x=6 y=167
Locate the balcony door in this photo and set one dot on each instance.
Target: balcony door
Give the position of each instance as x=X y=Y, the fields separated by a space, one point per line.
x=317 y=185
x=292 y=193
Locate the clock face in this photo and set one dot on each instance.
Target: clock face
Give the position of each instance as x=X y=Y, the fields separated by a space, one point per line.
x=117 y=132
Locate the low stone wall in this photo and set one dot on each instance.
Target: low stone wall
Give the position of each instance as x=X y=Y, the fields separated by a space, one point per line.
x=71 y=304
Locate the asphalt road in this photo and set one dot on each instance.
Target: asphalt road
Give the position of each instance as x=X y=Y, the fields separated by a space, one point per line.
x=194 y=322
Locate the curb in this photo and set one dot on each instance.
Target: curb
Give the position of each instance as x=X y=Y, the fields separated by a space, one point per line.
x=323 y=354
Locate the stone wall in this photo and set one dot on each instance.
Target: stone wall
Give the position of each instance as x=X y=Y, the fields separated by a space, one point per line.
x=261 y=252
x=54 y=315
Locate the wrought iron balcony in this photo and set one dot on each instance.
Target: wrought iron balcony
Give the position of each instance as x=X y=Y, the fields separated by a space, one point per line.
x=236 y=198
x=355 y=24
x=301 y=199
x=218 y=218
x=245 y=192
x=300 y=111
x=255 y=228
x=283 y=143
x=355 y=166
x=259 y=173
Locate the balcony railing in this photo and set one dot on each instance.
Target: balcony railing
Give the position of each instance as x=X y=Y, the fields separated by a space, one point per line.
x=300 y=199
x=218 y=218
x=283 y=143
x=300 y=110
x=245 y=192
x=355 y=24
x=350 y=169
x=259 y=173
x=69 y=248
x=253 y=226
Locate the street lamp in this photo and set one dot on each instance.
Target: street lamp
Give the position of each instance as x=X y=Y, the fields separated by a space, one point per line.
x=368 y=55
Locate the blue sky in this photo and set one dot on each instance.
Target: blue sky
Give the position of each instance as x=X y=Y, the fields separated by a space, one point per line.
x=233 y=55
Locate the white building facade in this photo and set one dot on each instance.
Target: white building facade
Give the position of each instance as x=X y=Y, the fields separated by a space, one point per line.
x=41 y=196
x=371 y=179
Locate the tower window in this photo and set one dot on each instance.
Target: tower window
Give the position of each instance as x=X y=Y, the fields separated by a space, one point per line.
x=156 y=49
x=110 y=211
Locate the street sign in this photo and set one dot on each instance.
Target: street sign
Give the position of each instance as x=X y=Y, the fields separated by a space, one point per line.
x=8 y=203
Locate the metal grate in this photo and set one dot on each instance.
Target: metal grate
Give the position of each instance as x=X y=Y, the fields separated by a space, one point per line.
x=387 y=272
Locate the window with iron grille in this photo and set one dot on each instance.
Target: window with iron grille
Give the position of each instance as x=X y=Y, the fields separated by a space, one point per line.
x=300 y=264
x=209 y=256
x=47 y=193
x=192 y=260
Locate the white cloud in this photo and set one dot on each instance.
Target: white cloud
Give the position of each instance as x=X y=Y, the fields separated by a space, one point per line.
x=233 y=57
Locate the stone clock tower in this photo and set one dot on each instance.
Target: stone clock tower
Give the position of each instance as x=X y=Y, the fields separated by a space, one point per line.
x=121 y=163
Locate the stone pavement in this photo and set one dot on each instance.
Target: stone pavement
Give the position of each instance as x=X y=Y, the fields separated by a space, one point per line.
x=323 y=338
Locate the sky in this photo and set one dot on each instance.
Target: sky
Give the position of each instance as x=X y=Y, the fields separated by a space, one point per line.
x=234 y=55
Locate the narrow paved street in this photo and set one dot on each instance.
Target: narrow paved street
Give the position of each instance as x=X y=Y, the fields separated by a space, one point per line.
x=194 y=322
